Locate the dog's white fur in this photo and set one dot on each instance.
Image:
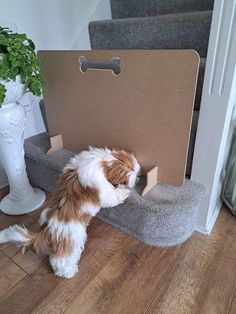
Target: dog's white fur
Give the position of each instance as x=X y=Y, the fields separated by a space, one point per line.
x=90 y=173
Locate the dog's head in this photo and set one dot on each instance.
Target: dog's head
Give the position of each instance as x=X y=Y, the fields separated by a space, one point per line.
x=121 y=168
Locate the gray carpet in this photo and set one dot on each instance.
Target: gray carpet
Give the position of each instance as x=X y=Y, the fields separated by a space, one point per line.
x=166 y=216
x=141 y=8
x=158 y=32
x=200 y=84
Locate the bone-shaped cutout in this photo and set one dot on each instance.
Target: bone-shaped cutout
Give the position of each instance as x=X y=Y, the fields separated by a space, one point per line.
x=113 y=65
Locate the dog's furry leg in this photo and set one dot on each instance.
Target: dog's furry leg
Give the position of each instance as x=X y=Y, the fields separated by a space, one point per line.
x=66 y=266
x=111 y=196
x=122 y=194
x=64 y=262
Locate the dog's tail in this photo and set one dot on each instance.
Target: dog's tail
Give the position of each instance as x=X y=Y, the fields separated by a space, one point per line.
x=21 y=236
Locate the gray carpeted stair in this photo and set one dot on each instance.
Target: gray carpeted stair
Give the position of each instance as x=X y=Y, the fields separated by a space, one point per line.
x=158 y=24
x=166 y=216
x=141 y=8
x=172 y=31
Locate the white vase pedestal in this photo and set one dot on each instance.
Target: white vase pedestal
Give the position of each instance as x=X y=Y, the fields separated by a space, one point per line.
x=20 y=207
x=23 y=198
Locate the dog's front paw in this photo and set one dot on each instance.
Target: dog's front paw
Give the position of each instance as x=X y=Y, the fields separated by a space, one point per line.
x=67 y=272
x=122 y=194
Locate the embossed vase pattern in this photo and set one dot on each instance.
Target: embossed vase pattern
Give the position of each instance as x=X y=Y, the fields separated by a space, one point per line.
x=23 y=197
x=12 y=124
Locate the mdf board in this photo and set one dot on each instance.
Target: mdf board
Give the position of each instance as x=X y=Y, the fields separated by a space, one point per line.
x=146 y=109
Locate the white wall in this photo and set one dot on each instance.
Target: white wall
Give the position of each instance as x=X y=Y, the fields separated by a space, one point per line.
x=55 y=24
x=98 y=11
x=52 y=25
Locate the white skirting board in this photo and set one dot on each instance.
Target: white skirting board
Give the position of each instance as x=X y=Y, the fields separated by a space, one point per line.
x=207 y=230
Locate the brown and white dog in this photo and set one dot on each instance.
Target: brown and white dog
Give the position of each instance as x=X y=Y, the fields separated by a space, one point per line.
x=92 y=179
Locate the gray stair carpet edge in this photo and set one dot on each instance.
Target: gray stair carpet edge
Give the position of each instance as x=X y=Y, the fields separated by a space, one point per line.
x=165 y=217
x=144 y=8
x=201 y=74
x=173 y=31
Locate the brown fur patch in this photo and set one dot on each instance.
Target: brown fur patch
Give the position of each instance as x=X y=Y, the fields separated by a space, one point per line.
x=65 y=204
x=68 y=197
x=126 y=158
x=116 y=171
x=43 y=242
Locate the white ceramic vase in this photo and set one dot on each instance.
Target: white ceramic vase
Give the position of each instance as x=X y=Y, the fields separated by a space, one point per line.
x=22 y=197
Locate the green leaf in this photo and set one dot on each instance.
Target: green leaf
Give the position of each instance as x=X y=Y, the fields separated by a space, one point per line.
x=2 y=94
x=20 y=58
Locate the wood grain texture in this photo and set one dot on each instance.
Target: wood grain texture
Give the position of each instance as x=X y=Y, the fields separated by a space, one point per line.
x=204 y=276
x=120 y=286
x=4 y=191
x=103 y=242
x=118 y=274
x=220 y=277
x=29 y=261
x=30 y=291
x=10 y=274
x=233 y=304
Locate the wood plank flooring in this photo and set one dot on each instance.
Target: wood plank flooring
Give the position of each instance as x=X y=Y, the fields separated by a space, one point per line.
x=118 y=274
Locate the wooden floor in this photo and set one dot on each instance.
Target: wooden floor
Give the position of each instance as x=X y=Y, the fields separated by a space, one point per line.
x=118 y=274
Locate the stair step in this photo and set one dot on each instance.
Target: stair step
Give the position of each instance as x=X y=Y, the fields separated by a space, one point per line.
x=172 y=31
x=142 y=8
x=172 y=210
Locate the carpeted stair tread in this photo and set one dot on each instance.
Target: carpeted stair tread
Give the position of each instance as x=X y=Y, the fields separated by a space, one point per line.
x=166 y=216
x=143 y=8
x=174 y=31
x=192 y=142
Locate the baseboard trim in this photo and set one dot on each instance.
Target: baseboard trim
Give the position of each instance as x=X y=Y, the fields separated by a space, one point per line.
x=207 y=230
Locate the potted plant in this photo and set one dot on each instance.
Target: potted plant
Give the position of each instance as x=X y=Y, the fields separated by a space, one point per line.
x=20 y=71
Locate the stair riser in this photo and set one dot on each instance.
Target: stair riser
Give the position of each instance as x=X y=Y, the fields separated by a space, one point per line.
x=141 y=8
x=176 y=31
